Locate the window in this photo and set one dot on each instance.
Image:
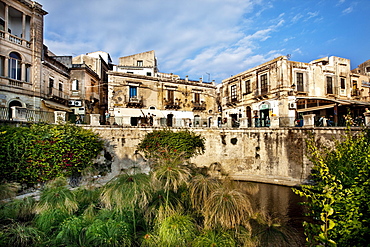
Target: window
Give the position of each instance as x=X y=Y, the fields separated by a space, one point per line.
x=264 y=85
x=329 y=85
x=149 y=73
x=355 y=91
x=15 y=64
x=367 y=69
x=196 y=97
x=51 y=85
x=233 y=93
x=75 y=85
x=2 y=63
x=342 y=83
x=140 y=63
x=248 y=86
x=28 y=73
x=170 y=96
x=300 y=82
x=60 y=86
x=133 y=92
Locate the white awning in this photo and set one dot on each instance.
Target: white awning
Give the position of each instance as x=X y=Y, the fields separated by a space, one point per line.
x=131 y=112
x=128 y=112
x=56 y=106
x=179 y=114
x=157 y=113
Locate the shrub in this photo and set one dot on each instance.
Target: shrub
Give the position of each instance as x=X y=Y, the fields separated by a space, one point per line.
x=185 y=142
x=43 y=152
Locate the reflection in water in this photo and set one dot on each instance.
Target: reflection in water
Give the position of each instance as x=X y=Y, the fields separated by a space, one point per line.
x=278 y=201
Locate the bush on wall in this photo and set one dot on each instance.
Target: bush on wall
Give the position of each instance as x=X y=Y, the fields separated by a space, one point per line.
x=185 y=142
x=42 y=152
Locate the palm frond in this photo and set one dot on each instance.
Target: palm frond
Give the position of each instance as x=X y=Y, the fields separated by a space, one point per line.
x=200 y=188
x=56 y=195
x=127 y=191
x=171 y=172
x=227 y=208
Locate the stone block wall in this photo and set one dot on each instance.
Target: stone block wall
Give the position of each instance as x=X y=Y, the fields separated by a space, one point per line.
x=274 y=156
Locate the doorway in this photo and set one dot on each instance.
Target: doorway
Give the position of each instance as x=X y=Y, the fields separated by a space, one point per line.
x=11 y=104
x=169 y=120
x=249 y=116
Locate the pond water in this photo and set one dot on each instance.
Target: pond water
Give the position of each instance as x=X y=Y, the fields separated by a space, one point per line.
x=279 y=201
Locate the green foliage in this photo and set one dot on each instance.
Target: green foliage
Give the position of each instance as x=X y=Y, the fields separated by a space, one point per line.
x=227 y=208
x=210 y=238
x=338 y=200
x=173 y=205
x=42 y=152
x=177 y=230
x=56 y=195
x=22 y=210
x=185 y=142
x=19 y=234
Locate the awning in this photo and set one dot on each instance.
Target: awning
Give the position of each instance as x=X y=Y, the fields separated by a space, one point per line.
x=180 y=114
x=339 y=101
x=130 y=112
x=157 y=113
x=316 y=108
x=127 y=112
x=56 y=106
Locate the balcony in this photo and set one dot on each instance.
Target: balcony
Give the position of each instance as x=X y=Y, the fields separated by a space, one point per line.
x=199 y=106
x=134 y=102
x=172 y=104
x=14 y=39
x=57 y=96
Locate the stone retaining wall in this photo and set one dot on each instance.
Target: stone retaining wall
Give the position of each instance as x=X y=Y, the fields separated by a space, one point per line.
x=266 y=155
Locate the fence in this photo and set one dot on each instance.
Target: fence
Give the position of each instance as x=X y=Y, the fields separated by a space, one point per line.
x=26 y=115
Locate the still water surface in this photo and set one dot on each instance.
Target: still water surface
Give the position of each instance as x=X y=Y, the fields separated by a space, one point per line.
x=279 y=201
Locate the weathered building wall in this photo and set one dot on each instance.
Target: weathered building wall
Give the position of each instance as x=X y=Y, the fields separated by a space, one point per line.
x=263 y=155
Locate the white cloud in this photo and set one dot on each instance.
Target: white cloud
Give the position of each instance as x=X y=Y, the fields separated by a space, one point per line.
x=347 y=10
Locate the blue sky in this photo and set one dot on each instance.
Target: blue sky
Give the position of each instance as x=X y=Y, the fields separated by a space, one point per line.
x=210 y=38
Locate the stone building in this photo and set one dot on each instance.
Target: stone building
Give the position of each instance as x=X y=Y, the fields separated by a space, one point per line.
x=21 y=49
x=55 y=84
x=137 y=90
x=283 y=92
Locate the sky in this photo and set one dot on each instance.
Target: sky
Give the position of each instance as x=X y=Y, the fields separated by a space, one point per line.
x=210 y=39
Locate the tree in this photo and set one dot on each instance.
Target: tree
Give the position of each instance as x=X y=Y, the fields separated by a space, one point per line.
x=338 y=201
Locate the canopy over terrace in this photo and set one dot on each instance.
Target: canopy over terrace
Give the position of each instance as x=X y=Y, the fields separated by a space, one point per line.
x=337 y=108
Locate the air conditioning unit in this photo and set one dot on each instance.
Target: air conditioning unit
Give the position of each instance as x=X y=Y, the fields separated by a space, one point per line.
x=135 y=100
x=342 y=91
x=293 y=105
x=71 y=102
x=78 y=103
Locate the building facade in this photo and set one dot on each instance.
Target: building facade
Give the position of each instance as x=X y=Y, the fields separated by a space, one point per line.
x=21 y=49
x=281 y=92
x=137 y=91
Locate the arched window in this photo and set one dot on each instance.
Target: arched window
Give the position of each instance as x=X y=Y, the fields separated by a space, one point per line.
x=15 y=66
